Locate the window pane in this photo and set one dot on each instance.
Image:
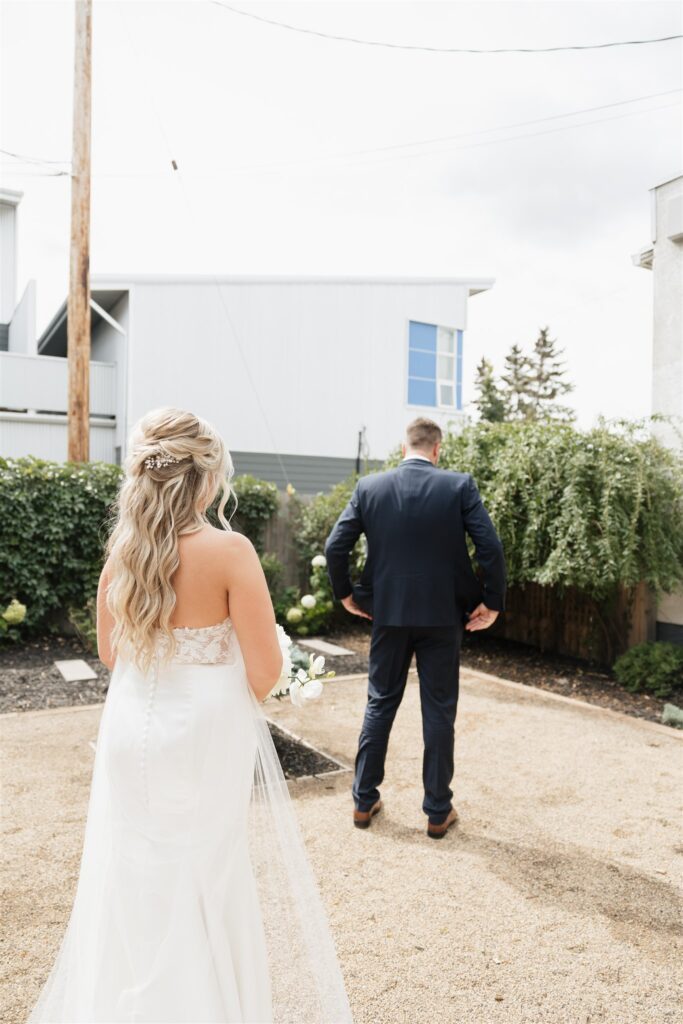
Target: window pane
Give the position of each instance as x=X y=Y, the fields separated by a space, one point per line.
x=446 y=394
x=446 y=367
x=421 y=392
x=421 y=364
x=446 y=341
x=423 y=336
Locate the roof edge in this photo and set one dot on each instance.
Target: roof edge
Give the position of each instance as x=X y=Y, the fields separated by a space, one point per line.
x=118 y=280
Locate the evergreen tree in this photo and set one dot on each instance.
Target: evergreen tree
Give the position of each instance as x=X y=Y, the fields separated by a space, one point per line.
x=517 y=378
x=547 y=380
x=489 y=401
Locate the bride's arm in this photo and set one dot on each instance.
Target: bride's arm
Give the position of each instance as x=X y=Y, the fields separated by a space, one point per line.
x=105 y=621
x=252 y=615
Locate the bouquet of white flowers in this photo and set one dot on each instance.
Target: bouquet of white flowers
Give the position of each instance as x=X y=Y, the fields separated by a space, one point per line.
x=304 y=684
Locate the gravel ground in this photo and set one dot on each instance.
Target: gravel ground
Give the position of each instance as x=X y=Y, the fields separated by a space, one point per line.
x=556 y=900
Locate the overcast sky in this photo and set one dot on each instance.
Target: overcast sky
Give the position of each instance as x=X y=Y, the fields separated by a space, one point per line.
x=266 y=126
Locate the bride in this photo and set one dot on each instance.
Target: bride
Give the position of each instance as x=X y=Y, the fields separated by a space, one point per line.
x=195 y=899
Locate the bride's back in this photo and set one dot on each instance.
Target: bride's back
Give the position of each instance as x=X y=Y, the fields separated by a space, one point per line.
x=201 y=580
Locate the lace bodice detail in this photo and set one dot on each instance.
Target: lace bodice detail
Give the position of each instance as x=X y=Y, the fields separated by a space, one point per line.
x=205 y=645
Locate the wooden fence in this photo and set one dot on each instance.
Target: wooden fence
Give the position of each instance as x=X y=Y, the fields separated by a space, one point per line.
x=572 y=623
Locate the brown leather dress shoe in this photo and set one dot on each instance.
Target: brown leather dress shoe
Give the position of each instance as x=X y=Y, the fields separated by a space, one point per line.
x=439 y=831
x=362 y=819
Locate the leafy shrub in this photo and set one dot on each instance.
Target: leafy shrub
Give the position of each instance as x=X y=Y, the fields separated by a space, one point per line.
x=55 y=523
x=257 y=503
x=657 y=667
x=54 y=528
x=13 y=616
x=84 y=621
x=597 y=509
x=313 y=520
x=311 y=613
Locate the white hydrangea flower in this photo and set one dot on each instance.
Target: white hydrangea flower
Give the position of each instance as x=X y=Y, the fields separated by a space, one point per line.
x=318 y=561
x=308 y=601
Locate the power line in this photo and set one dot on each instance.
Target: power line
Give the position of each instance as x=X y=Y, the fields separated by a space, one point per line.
x=438 y=49
x=419 y=142
x=273 y=167
x=31 y=159
x=518 y=124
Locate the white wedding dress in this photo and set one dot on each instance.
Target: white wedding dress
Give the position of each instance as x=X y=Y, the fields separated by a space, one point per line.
x=195 y=900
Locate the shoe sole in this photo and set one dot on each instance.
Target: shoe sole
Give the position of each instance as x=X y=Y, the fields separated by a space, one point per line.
x=366 y=822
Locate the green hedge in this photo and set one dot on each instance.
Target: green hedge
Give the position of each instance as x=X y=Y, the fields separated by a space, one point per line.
x=597 y=509
x=657 y=667
x=55 y=522
x=54 y=526
x=257 y=503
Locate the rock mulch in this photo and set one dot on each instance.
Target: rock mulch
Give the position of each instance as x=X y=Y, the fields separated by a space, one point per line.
x=29 y=680
x=522 y=664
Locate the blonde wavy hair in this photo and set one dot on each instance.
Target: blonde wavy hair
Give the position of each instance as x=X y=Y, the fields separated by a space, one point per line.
x=175 y=467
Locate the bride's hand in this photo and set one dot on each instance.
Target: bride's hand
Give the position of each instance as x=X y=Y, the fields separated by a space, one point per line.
x=481 y=618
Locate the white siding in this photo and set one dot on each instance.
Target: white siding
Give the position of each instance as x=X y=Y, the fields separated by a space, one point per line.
x=8 y=258
x=46 y=437
x=326 y=358
x=22 y=328
x=41 y=382
x=667 y=381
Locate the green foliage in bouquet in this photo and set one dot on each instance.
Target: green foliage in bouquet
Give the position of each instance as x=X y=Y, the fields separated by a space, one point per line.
x=54 y=527
x=597 y=509
x=655 y=667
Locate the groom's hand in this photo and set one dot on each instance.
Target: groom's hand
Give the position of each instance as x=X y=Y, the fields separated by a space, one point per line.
x=481 y=618
x=352 y=607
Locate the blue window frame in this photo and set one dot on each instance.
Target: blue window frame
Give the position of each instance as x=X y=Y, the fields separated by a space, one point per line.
x=434 y=366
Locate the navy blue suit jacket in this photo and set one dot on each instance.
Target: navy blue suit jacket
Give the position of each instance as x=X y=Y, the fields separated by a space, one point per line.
x=418 y=571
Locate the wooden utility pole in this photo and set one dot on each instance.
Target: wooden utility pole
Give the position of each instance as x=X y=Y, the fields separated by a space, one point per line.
x=78 y=307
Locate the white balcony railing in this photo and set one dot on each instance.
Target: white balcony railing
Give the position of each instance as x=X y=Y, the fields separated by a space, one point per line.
x=40 y=384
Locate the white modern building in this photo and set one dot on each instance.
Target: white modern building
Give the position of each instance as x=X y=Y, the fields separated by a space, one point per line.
x=664 y=257
x=303 y=376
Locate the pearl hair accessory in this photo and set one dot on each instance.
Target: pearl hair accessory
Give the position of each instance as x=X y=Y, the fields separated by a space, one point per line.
x=161 y=460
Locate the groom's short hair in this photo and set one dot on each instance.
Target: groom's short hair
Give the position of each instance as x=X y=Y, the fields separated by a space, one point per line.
x=423 y=433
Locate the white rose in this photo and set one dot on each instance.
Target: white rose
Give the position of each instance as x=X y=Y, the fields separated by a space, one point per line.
x=308 y=601
x=312 y=689
x=318 y=561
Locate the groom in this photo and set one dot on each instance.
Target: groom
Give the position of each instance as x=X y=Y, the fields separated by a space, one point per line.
x=418 y=587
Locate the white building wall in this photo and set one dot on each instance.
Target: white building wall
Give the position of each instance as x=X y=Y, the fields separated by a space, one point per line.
x=9 y=200
x=22 y=328
x=667 y=270
x=323 y=359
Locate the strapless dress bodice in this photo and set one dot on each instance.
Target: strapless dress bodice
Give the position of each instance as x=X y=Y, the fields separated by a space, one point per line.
x=204 y=645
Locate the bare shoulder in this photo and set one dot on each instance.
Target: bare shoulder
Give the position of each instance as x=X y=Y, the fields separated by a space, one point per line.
x=229 y=542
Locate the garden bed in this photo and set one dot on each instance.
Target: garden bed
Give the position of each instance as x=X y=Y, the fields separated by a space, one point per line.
x=29 y=680
x=521 y=664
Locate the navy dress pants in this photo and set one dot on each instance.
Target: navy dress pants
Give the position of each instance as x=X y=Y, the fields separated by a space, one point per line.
x=437 y=653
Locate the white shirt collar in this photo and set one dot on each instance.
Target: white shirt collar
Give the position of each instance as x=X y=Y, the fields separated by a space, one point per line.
x=409 y=457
